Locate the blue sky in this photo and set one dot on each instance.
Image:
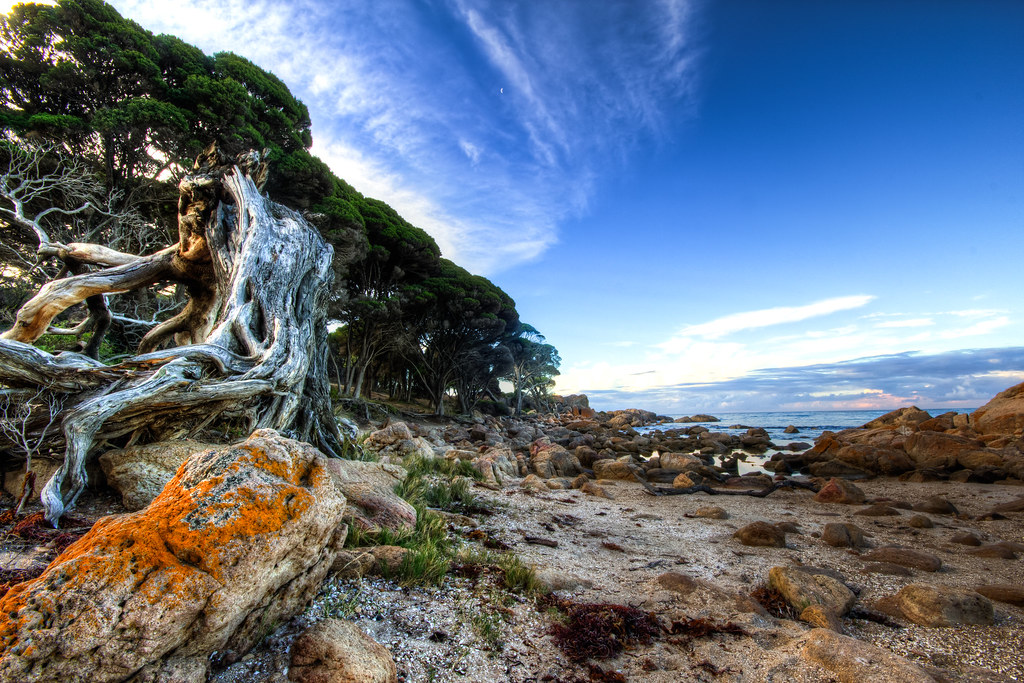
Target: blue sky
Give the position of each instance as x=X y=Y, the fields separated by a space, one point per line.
x=706 y=206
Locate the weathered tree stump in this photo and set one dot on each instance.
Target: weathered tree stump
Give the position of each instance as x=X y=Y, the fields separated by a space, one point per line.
x=250 y=345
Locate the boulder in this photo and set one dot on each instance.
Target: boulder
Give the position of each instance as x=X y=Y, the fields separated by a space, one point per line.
x=941 y=450
x=1004 y=414
x=901 y=417
x=496 y=464
x=761 y=534
x=684 y=462
x=549 y=460
x=854 y=661
x=929 y=605
x=870 y=458
x=337 y=651
x=802 y=589
x=840 y=491
x=905 y=557
x=398 y=441
x=139 y=473
x=621 y=469
x=370 y=490
x=238 y=539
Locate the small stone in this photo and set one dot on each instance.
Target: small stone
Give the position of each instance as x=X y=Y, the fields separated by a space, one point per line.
x=337 y=650
x=840 y=535
x=593 y=489
x=678 y=583
x=711 y=512
x=965 y=538
x=944 y=605
x=915 y=559
x=921 y=522
x=993 y=550
x=840 y=491
x=886 y=568
x=936 y=505
x=761 y=534
x=532 y=482
x=877 y=510
x=1003 y=592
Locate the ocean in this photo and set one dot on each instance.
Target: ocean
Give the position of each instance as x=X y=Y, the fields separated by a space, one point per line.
x=810 y=423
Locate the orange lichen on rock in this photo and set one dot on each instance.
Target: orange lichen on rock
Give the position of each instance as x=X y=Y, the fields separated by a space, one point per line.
x=231 y=529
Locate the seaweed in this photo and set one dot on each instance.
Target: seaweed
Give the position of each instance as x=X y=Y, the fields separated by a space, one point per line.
x=600 y=630
x=773 y=602
x=692 y=629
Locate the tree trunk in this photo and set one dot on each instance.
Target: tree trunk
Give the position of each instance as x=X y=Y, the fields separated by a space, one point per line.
x=252 y=341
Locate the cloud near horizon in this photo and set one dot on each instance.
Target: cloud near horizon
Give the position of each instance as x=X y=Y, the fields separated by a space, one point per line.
x=469 y=132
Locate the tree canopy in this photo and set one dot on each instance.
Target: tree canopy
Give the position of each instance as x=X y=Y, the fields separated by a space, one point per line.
x=125 y=111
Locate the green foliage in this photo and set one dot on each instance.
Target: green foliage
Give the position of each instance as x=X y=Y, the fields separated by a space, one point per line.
x=518 y=577
x=418 y=466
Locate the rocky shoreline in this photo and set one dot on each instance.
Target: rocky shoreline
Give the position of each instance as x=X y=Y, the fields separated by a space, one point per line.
x=892 y=556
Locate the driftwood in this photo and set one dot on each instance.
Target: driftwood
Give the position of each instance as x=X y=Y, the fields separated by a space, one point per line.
x=704 y=488
x=250 y=344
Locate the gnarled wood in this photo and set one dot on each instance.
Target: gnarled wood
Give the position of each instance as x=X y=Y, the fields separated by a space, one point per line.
x=251 y=343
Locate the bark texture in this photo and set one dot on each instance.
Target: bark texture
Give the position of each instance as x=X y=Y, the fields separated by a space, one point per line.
x=251 y=344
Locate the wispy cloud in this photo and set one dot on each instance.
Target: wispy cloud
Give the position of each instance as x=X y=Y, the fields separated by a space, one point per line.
x=737 y=322
x=416 y=116
x=910 y=322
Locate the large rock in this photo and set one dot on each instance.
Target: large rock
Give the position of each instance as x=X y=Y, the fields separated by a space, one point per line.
x=941 y=450
x=684 y=462
x=370 y=490
x=854 y=661
x=497 y=464
x=943 y=605
x=337 y=651
x=549 y=460
x=398 y=441
x=802 y=589
x=901 y=417
x=240 y=538
x=1004 y=414
x=139 y=473
x=621 y=469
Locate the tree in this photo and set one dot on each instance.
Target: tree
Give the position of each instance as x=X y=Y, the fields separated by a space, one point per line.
x=533 y=363
x=454 y=318
x=249 y=346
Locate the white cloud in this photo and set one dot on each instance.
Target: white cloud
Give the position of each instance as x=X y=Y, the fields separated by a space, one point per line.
x=912 y=322
x=736 y=322
x=471 y=151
